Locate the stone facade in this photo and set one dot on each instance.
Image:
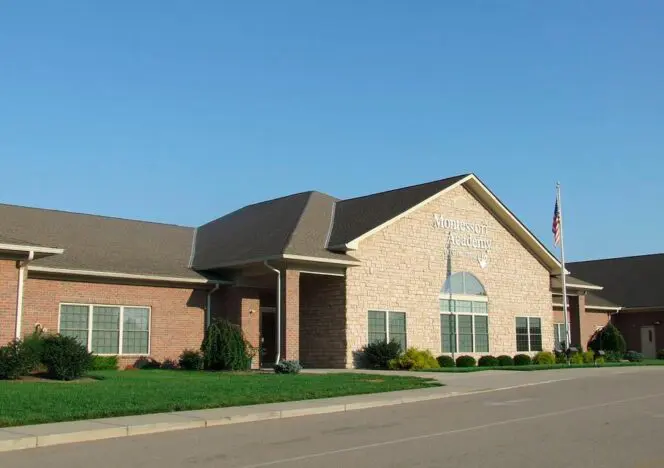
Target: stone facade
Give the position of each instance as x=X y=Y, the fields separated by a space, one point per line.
x=8 y=291
x=176 y=318
x=404 y=267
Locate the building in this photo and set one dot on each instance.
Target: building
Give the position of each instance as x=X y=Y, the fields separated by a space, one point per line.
x=635 y=284
x=444 y=266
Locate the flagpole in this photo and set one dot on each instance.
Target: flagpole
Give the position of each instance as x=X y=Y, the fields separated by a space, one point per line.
x=562 y=261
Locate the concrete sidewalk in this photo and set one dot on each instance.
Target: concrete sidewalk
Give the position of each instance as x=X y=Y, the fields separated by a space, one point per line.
x=43 y=435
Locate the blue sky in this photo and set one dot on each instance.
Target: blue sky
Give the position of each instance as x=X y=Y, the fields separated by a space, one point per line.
x=180 y=112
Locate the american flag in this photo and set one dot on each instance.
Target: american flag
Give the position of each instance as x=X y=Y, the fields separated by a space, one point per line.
x=556 y=225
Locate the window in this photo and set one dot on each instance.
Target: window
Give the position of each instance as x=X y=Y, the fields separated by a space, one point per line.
x=464 y=321
x=387 y=326
x=107 y=329
x=559 y=335
x=528 y=334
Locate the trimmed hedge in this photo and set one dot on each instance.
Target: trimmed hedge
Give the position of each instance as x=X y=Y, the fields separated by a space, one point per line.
x=544 y=358
x=465 y=361
x=191 y=360
x=288 y=367
x=633 y=356
x=377 y=355
x=104 y=363
x=576 y=358
x=446 y=361
x=17 y=359
x=488 y=361
x=505 y=360
x=65 y=358
x=414 y=359
x=522 y=360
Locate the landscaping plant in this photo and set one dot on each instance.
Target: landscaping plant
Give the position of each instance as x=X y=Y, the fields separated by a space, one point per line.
x=576 y=358
x=445 y=361
x=522 y=360
x=169 y=364
x=414 y=359
x=660 y=354
x=544 y=358
x=633 y=356
x=608 y=338
x=191 y=360
x=16 y=360
x=287 y=367
x=65 y=358
x=225 y=347
x=465 y=361
x=146 y=363
x=588 y=357
x=104 y=363
x=377 y=355
x=488 y=361
x=505 y=360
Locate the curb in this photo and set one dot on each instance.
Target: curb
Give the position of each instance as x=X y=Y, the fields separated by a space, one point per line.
x=50 y=434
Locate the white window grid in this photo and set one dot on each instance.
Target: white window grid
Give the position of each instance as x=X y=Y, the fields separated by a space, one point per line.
x=387 y=323
x=530 y=334
x=467 y=298
x=121 y=328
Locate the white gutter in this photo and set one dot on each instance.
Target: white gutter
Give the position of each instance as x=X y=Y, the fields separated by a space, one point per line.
x=208 y=311
x=19 y=293
x=278 y=356
x=109 y=274
x=31 y=249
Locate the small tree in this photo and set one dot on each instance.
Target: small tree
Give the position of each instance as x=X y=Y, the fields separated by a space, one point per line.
x=225 y=348
x=608 y=338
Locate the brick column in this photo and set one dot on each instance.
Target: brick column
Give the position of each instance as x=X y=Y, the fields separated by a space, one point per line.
x=290 y=313
x=8 y=291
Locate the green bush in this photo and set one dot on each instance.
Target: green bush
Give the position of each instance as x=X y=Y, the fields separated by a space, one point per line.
x=191 y=360
x=505 y=360
x=488 y=361
x=561 y=357
x=522 y=360
x=104 y=363
x=65 y=358
x=613 y=356
x=17 y=359
x=169 y=364
x=608 y=338
x=34 y=344
x=588 y=357
x=146 y=363
x=544 y=358
x=660 y=354
x=414 y=359
x=576 y=358
x=287 y=367
x=377 y=355
x=465 y=361
x=445 y=361
x=633 y=356
x=225 y=348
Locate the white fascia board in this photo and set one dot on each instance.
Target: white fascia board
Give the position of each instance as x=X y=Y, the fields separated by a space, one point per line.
x=31 y=248
x=108 y=274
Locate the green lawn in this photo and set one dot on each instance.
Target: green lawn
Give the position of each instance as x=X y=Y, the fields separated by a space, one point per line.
x=153 y=391
x=536 y=367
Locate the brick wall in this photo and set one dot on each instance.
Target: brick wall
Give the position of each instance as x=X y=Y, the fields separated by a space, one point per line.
x=404 y=267
x=290 y=349
x=8 y=290
x=177 y=314
x=322 y=321
x=583 y=322
x=242 y=307
x=630 y=323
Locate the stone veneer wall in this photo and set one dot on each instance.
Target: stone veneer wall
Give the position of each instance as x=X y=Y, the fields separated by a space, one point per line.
x=404 y=267
x=8 y=291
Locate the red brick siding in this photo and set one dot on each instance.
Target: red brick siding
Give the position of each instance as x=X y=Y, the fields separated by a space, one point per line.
x=8 y=290
x=291 y=315
x=630 y=323
x=323 y=321
x=177 y=314
x=242 y=307
x=583 y=322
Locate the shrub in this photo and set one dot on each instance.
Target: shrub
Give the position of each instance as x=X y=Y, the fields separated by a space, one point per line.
x=65 y=358
x=505 y=360
x=613 y=356
x=465 y=361
x=522 y=360
x=146 y=363
x=576 y=358
x=487 y=361
x=544 y=358
x=414 y=359
x=17 y=359
x=608 y=338
x=288 y=367
x=633 y=356
x=660 y=354
x=377 y=355
x=191 y=360
x=445 y=361
x=34 y=344
x=169 y=364
x=104 y=363
x=588 y=357
x=225 y=348
x=561 y=357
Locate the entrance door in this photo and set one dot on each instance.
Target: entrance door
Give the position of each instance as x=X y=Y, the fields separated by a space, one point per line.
x=648 y=345
x=268 y=336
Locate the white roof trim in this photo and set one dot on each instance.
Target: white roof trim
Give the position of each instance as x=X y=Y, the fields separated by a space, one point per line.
x=584 y=286
x=593 y=307
x=304 y=258
x=353 y=245
x=32 y=248
x=109 y=274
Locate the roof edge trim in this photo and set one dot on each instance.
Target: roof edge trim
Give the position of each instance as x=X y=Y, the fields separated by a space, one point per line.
x=32 y=248
x=109 y=274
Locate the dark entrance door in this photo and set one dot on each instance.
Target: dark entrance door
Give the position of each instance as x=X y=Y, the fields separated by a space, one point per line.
x=268 y=336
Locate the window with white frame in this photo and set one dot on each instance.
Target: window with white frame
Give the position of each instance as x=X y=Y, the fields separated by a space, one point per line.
x=559 y=335
x=528 y=334
x=464 y=318
x=387 y=326
x=107 y=329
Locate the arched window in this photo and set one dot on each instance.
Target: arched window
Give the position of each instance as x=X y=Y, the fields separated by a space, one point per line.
x=464 y=320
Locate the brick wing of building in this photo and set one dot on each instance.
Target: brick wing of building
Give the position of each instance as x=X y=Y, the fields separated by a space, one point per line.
x=443 y=266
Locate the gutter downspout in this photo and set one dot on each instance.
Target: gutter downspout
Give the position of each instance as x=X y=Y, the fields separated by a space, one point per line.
x=278 y=356
x=208 y=312
x=19 y=293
